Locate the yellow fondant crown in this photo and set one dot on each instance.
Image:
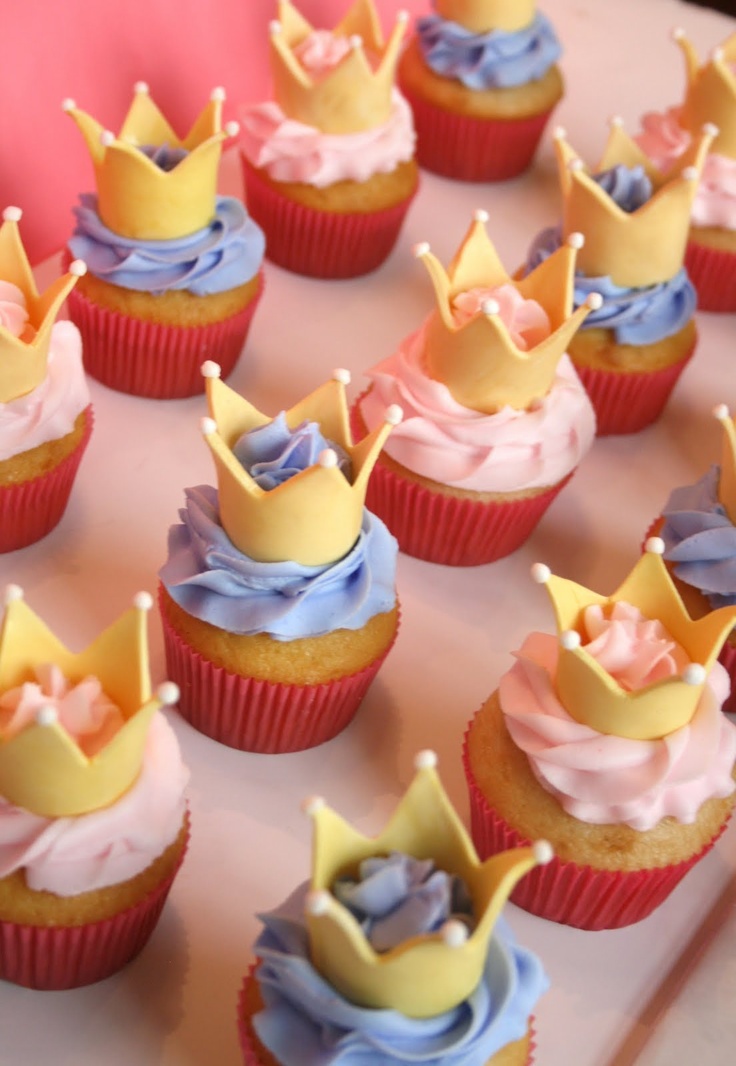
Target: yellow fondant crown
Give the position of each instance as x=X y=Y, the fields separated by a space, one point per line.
x=634 y=248
x=355 y=94
x=727 y=477
x=42 y=767
x=482 y=16
x=428 y=973
x=590 y=695
x=314 y=517
x=478 y=361
x=710 y=94
x=135 y=197
x=23 y=362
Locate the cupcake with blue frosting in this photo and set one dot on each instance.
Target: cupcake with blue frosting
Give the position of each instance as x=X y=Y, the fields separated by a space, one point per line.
x=482 y=79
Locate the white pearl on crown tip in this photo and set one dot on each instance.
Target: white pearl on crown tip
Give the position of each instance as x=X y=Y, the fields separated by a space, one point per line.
x=68 y=104
x=393 y=414
x=694 y=674
x=141 y=87
x=721 y=412
x=12 y=593
x=420 y=249
x=710 y=129
x=576 y=164
x=78 y=268
x=543 y=852
x=312 y=804
x=218 y=93
x=490 y=307
x=454 y=933
x=356 y=41
x=208 y=426
x=46 y=716
x=689 y=173
x=12 y=214
x=210 y=369
x=402 y=15
x=342 y=375
x=274 y=27
x=594 y=301
x=317 y=903
x=678 y=33
x=143 y=601
x=559 y=133
x=616 y=121
x=168 y=693
x=576 y=240
x=570 y=639
x=425 y=760
x=327 y=458
x=232 y=128
x=480 y=214
x=655 y=546
x=541 y=573
x=717 y=54
x=107 y=137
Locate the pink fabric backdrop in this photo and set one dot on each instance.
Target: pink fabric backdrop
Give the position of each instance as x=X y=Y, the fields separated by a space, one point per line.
x=94 y=52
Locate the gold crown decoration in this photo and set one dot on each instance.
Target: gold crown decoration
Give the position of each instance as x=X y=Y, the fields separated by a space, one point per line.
x=23 y=362
x=727 y=477
x=429 y=973
x=483 y=16
x=590 y=694
x=356 y=94
x=478 y=360
x=634 y=248
x=314 y=517
x=710 y=93
x=42 y=768
x=135 y=197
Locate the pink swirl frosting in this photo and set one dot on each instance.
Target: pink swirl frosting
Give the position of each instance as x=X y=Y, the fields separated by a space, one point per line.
x=321 y=51
x=67 y=856
x=292 y=151
x=50 y=410
x=526 y=320
x=614 y=780
x=507 y=451
x=13 y=311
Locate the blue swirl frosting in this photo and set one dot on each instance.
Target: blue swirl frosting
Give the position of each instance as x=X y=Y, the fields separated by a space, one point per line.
x=628 y=187
x=306 y=1022
x=273 y=453
x=226 y=253
x=700 y=539
x=495 y=60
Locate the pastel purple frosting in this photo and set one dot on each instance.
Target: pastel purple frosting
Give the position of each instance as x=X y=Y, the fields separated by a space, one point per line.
x=700 y=539
x=306 y=1022
x=226 y=253
x=495 y=60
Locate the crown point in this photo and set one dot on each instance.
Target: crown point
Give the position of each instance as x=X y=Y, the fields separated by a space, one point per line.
x=312 y=804
x=425 y=760
x=210 y=369
x=721 y=412
x=168 y=693
x=12 y=214
x=46 y=716
x=689 y=173
x=208 y=426
x=232 y=128
x=480 y=214
x=143 y=601
x=328 y=458
x=78 y=268
x=141 y=87
x=393 y=414
x=576 y=240
x=654 y=545
x=541 y=573
x=342 y=375
x=454 y=933
x=107 y=137
x=559 y=133
x=421 y=249
x=616 y=122
x=218 y=93
x=67 y=104
x=543 y=852
x=711 y=129
x=12 y=593
x=570 y=639
x=694 y=674
x=317 y=903
x=594 y=301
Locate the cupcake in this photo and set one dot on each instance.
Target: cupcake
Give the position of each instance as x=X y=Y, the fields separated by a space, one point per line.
x=329 y=164
x=482 y=79
x=275 y=618
x=174 y=270
x=609 y=739
x=495 y=418
x=699 y=535
x=45 y=411
x=631 y=351
x=710 y=97
x=93 y=823
x=396 y=952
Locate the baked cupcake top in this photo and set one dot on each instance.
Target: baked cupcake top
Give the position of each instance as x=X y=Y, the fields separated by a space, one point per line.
x=91 y=778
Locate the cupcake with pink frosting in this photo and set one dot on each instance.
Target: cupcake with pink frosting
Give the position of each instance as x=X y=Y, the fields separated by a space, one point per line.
x=495 y=418
x=609 y=738
x=93 y=823
x=710 y=97
x=329 y=164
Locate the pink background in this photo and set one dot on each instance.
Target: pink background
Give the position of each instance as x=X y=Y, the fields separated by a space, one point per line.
x=94 y=52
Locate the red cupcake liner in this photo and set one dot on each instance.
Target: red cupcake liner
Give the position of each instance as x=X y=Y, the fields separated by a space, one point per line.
x=261 y=716
x=31 y=509
x=566 y=892
x=713 y=273
x=156 y=361
x=321 y=244
x=627 y=403
x=468 y=148
x=60 y=957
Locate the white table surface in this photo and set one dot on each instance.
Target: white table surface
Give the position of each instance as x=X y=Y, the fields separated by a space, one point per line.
x=659 y=993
